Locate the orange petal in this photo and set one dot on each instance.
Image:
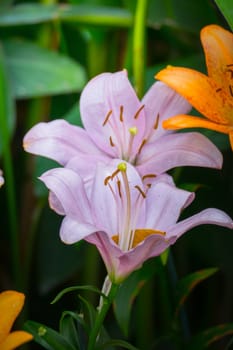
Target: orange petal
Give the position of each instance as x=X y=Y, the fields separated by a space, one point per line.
x=201 y=91
x=11 y=303
x=218 y=46
x=15 y=339
x=183 y=121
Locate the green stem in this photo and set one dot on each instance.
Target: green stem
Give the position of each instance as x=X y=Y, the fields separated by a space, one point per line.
x=139 y=47
x=105 y=305
x=5 y=109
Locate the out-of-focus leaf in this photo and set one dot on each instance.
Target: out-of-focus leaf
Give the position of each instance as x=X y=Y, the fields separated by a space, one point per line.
x=7 y=108
x=47 y=337
x=226 y=8
x=209 y=336
x=69 y=329
x=182 y=14
x=118 y=343
x=188 y=283
x=65 y=260
x=23 y=14
x=73 y=116
x=35 y=71
x=129 y=290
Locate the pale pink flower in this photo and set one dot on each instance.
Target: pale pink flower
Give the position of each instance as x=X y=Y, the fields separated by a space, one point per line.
x=118 y=125
x=1 y=178
x=128 y=219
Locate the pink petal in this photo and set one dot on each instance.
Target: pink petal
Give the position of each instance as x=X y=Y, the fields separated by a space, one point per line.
x=120 y=264
x=108 y=92
x=72 y=231
x=1 y=178
x=164 y=204
x=181 y=149
x=162 y=101
x=208 y=216
x=59 y=141
x=68 y=189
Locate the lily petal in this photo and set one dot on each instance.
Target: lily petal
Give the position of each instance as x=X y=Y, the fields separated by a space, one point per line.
x=16 y=339
x=68 y=189
x=208 y=216
x=161 y=102
x=104 y=96
x=183 y=149
x=218 y=47
x=170 y=201
x=59 y=141
x=201 y=91
x=188 y=121
x=72 y=231
x=11 y=303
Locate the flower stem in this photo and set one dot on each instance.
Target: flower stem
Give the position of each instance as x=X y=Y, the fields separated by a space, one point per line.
x=139 y=47
x=105 y=305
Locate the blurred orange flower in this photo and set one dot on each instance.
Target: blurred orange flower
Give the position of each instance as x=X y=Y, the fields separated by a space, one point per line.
x=212 y=94
x=11 y=304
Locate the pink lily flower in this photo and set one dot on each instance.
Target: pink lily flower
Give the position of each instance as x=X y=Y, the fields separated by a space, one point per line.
x=118 y=126
x=128 y=219
x=1 y=178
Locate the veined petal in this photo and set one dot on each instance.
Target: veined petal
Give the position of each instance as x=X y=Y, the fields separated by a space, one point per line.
x=161 y=102
x=108 y=107
x=188 y=121
x=208 y=216
x=59 y=141
x=11 y=303
x=218 y=47
x=69 y=190
x=73 y=231
x=201 y=91
x=164 y=204
x=180 y=149
x=16 y=339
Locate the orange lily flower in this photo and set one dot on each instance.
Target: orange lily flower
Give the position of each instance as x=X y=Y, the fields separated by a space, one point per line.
x=212 y=94
x=11 y=304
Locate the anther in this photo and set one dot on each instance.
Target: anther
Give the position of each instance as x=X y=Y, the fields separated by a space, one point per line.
x=138 y=112
x=121 y=113
x=219 y=89
x=156 y=121
x=107 y=117
x=141 y=191
x=142 y=144
x=107 y=179
x=111 y=142
x=148 y=175
x=119 y=187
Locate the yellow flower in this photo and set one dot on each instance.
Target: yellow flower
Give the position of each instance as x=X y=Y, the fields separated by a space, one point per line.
x=212 y=94
x=11 y=304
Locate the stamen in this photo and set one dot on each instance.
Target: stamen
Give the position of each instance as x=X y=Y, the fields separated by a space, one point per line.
x=115 y=173
x=142 y=144
x=119 y=187
x=138 y=112
x=106 y=180
x=148 y=175
x=156 y=121
x=111 y=142
x=141 y=191
x=231 y=90
x=106 y=118
x=121 y=113
x=220 y=89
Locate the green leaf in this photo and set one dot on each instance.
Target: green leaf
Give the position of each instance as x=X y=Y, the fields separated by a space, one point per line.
x=188 y=283
x=209 y=336
x=118 y=343
x=71 y=327
x=35 y=71
x=226 y=8
x=129 y=290
x=75 y=288
x=24 y=14
x=47 y=337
